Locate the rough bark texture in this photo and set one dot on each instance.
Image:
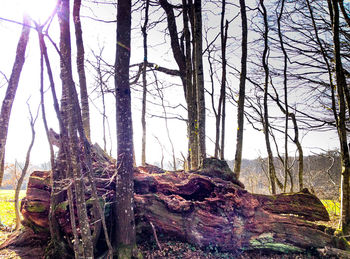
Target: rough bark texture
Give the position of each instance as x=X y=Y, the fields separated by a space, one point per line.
x=200 y=208
x=199 y=78
x=81 y=68
x=125 y=222
x=341 y=123
x=71 y=116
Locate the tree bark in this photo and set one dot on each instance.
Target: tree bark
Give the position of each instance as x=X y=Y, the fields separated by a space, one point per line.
x=81 y=68
x=222 y=107
x=183 y=57
x=241 y=95
x=270 y=163
x=205 y=210
x=125 y=223
x=11 y=91
x=191 y=91
x=285 y=91
x=144 y=85
x=70 y=119
x=57 y=241
x=199 y=78
x=341 y=125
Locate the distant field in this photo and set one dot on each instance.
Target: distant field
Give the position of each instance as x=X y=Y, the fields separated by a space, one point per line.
x=7 y=206
x=333 y=207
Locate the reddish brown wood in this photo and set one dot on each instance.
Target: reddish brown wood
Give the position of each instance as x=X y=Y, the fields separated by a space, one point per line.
x=203 y=210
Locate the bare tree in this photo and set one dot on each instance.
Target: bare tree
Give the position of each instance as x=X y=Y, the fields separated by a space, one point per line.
x=144 y=85
x=266 y=125
x=184 y=55
x=125 y=236
x=241 y=95
x=10 y=95
x=341 y=122
x=71 y=115
x=25 y=167
x=81 y=68
x=199 y=77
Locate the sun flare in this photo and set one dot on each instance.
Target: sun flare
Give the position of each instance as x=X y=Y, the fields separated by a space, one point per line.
x=38 y=10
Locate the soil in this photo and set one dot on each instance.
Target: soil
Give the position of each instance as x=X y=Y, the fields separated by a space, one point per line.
x=150 y=250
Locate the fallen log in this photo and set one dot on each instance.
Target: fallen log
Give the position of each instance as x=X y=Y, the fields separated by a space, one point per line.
x=199 y=208
x=208 y=208
x=212 y=212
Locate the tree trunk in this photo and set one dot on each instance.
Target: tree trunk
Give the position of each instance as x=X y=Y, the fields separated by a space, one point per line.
x=183 y=58
x=144 y=86
x=199 y=78
x=70 y=118
x=223 y=34
x=24 y=171
x=11 y=91
x=191 y=91
x=57 y=243
x=125 y=222
x=285 y=88
x=241 y=95
x=81 y=68
x=270 y=163
x=341 y=125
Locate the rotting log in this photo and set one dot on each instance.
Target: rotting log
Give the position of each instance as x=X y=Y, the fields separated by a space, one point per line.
x=200 y=209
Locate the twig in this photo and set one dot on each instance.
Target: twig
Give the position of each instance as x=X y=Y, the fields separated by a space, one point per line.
x=155 y=235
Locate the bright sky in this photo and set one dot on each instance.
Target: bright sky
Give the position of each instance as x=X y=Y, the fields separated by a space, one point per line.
x=95 y=36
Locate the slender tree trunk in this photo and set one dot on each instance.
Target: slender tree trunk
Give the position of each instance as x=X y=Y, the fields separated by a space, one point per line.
x=24 y=170
x=57 y=243
x=70 y=117
x=191 y=93
x=217 y=113
x=341 y=126
x=271 y=167
x=285 y=88
x=11 y=91
x=183 y=57
x=144 y=85
x=81 y=68
x=125 y=236
x=221 y=113
x=241 y=95
x=199 y=79
x=300 y=152
x=325 y=59
x=223 y=35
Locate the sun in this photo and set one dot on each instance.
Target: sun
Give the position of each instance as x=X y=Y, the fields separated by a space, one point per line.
x=38 y=10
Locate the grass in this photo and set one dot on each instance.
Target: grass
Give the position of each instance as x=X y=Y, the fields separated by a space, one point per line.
x=333 y=208
x=7 y=207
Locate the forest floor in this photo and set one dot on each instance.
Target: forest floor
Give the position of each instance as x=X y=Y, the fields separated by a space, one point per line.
x=170 y=250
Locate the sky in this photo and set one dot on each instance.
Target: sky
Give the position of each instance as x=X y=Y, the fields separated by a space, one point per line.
x=97 y=35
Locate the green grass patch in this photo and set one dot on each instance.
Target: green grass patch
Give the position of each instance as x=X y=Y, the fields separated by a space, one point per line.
x=7 y=207
x=333 y=207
